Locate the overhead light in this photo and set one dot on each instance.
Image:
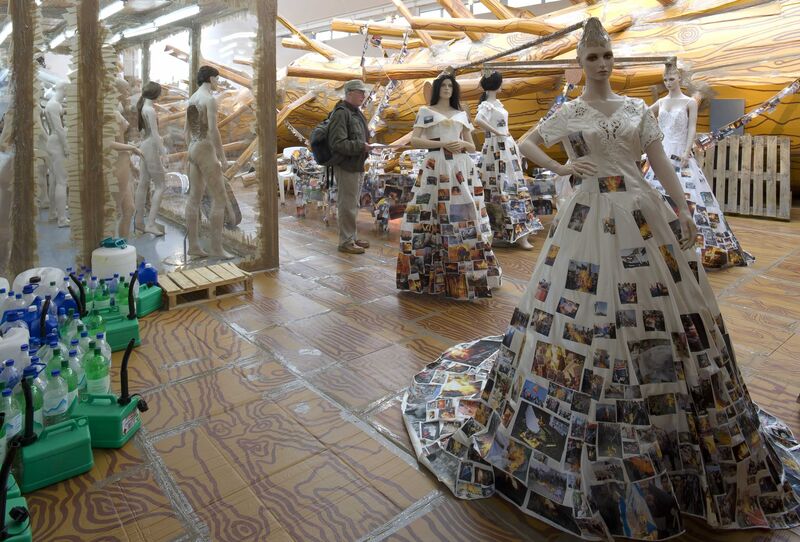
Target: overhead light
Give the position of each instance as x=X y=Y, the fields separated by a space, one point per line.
x=111 y=9
x=239 y=35
x=139 y=30
x=5 y=32
x=229 y=47
x=177 y=15
x=115 y=38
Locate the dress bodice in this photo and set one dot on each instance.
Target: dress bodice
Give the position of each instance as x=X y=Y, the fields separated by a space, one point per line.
x=674 y=123
x=613 y=142
x=435 y=125
x=493 y=113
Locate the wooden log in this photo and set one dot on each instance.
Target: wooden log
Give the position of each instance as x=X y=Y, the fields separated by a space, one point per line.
x=457 y=9
x=241 y=108
x=500 y=11
x=354 y=26
x=569 y=43
x=227 y=147
x=401 y=7
x=224 y=71
x=315 y=45
x=330 y=74
x=284 y=113
x=247 y=61
x=294 y=43
x=505 y=26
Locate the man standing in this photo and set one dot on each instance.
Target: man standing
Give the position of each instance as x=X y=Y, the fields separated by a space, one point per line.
x=347 y=139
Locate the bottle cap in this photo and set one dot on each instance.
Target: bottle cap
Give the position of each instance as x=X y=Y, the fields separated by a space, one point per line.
x=101 y=336
x=74 y=342
x=55 y=372
x=73 y=353
x=24 y=347
x=6 y=392
x=34 y=360
x=9 y=363
x=62 y=310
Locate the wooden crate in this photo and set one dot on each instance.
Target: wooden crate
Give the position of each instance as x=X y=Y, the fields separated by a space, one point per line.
x=750 y=175
x=203 y=284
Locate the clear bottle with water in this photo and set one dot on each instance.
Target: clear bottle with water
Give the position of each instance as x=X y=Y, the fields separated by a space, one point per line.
x=24 y=357
x=114 y=284
x=37 y=394
x=11 y=322
x=76 y=364
x=75 y=344
x=10 y=376
x=28 y=295
x=104 y=347
x=56 y=397
x=84 y=341
x=102 y=295
x=10 y=406
x=71 y=379
x=55 y=361
x=98 y=379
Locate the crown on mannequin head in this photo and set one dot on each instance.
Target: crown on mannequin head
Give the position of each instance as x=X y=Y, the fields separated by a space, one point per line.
x=594 y=35
x=448 y=71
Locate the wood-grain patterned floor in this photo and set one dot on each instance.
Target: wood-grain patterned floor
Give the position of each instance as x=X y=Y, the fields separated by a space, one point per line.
x=274 y=417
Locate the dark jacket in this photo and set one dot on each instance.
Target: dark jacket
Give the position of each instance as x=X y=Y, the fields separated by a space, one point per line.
x=347 y=133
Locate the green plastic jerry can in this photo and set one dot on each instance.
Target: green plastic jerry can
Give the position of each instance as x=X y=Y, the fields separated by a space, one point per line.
x=112 y=421
x=12 y=488
x=120 y=329
x=15 y=522
x=58 y=452
x=150 y=299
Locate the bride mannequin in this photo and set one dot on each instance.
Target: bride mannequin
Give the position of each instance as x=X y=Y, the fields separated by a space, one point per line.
x=152 y=169
x=58 y=153
x=206 y=157
x=677 y=116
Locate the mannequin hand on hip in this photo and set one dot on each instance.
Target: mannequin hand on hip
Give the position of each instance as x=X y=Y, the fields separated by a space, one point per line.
x=688 y=229
x=685 y=159
x=581 y=166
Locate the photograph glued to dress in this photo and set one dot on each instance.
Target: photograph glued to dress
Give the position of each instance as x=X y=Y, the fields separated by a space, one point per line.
x=716 y=244
x=506 y=195
x=613 y=405
x=445 y=235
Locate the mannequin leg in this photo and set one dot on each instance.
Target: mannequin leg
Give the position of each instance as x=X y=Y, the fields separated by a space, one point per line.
x=142 y=190
x=43 y=201
x=125 y=207
x=157 y=177
x=197 y=186
x=216 y=190
x=60 y=189
x=52 y=214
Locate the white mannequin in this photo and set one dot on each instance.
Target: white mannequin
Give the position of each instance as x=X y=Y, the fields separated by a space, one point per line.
x=58 y=152
x=676 y=99
x=152 y=169
x=206 y=157
x=124 y=196
x=43 y=164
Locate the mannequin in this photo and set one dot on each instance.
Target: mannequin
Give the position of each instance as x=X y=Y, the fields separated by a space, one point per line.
x=124 y=196
x=6 y=187
x=677 y=117
x=206 y=158
x=43 y=164
x=58 y=152
x=445 y=236
x=505 y=192
x=152 y=169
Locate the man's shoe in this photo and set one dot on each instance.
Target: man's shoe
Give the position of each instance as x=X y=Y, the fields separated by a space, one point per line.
x=351 y=248
x=363 y=243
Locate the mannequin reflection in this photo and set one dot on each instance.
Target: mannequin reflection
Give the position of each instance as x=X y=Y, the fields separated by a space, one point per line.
x=206 y=157
x=151 y=168
x=58 y=152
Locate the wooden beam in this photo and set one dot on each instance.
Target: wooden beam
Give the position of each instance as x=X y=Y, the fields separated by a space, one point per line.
x=505 y=26
x=499 y=10
x=92 y=183
x=666 y=3
x=265 y=91
x=354 y=26
x=224 y=71
x=401 y=7
x=23 y=211
x=287 y=109
x=295 y=43
x=324 y=73
x=228 y=147
x=241 y=108
x=195 y=57
x=455 y=8
x=315 y=45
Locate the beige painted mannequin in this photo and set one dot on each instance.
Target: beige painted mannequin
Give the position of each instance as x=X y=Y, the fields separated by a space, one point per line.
x=206 y=157
x=122 y=167
x=58 y=152
x=151 y=169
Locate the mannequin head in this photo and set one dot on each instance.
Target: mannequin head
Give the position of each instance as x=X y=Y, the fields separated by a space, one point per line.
x=151 y=91
x=446 y=87
x=594 y=51
x=207 y=74
x=59 y=91
x=491 y=82
x=672 y=78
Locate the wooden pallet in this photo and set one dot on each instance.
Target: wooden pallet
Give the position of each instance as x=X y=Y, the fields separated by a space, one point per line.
x=200 y=285
x=750 y=175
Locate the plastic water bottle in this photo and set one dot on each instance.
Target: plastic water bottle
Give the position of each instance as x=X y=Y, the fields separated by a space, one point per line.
x=28 y=295
x=122 y=297
x=93 y=284
x=114 y=284
x=84 y=341
x=13 y=412
x=71 y=379
x=75 y=344
x=76 y=365
x=63 y=323
x=12 y=321
x=104 y=347
x=98 y=380
x=37 y=394
x=55 y=399
x=95 y=322
x=6 y=304
x=24 y=357
x=10 y=376
x=102 y=296
x=55 y=362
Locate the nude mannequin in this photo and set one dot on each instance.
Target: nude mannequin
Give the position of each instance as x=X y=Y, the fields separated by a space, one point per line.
x=206 y=157
x=152 y=170
x=122 y=167
x=58 y=152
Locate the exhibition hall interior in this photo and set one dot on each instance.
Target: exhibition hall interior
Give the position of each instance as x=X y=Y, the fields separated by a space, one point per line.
x=402 y=270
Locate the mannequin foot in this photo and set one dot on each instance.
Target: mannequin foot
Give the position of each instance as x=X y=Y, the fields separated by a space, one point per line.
x=44 y=204
x=220 y=254
x=197 y=251
x=138 y=228
x=154 y=229
x=63 y=222
x=524 y=244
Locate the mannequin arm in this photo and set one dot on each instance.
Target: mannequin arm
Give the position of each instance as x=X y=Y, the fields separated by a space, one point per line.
x=124 y=147
x=486 y=127
x=669 y=180
x=213 y=130
x=419 y=142
x=469 y=142
x=692 y=129
x=654 y=107
x=530 y=148
x=53 y=113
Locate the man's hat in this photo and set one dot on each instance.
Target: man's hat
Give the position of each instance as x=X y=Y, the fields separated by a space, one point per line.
x=355 y=84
